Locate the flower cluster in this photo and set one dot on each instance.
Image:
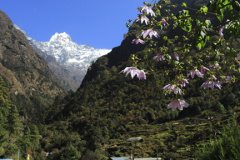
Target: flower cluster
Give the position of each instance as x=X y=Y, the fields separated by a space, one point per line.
x=214 y=66
x=211 y=84
x=164 y=22
x=177 y=104
x=221 y=30
x=146 y=9
x=181 y=81
x=171 y=88
x=134 y=71
x=137 y=41
x=197 y=72
x=204 y=69
x=150 y=32
x=160 y=57
x=143 y=18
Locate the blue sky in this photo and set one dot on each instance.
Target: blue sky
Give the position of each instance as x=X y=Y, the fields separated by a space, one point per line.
x=97 y=23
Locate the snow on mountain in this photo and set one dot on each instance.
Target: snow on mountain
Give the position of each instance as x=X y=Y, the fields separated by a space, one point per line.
x=66 y=52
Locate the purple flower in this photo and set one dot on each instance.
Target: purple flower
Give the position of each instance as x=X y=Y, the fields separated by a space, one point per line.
x=228 y=79
x=184 y=82
x=204 y=69
x=176 y=56
x=134 y=71
x=171 y=88
x=149 y=32
x=143 y=18
x=160 y=57
x=220 y=31
x=214 y=66
x=211 y=84
x=164 y=22
x=238 y=56
x=177 y=104
x=197 y=72
x=146 y=9
x=138 y=41
x=214 y=78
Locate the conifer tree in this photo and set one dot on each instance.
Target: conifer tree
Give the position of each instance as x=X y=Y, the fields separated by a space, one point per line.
x=70 y=153
x=2 y=135
x=34 y=134
x=94 y=138
x=14 y=122
x=25 y=142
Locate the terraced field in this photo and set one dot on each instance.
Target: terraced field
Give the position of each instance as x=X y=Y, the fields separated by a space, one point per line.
x=176 y=139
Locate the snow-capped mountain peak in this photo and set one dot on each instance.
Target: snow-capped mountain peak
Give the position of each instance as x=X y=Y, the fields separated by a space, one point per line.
x=66 y=52
x=61 y=37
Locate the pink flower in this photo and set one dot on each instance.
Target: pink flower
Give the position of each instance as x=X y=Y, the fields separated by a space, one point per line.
x=184 y=82
x=164 y=22
x=160 y=57
x=149 y=32
x=177 y=104
x=138 y=41
x=134 y=71
x=204 y=69
x=146 y=9
x=143 y=18
x=197 y=72
x=176 y=56
x=171 y=88
x=211 y=84
x=238 y=56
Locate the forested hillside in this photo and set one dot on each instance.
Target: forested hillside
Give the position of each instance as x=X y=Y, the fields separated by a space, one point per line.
x=96 y=121
x=108 y=105
x=30 y=82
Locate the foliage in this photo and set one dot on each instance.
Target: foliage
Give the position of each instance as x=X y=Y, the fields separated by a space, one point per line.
x=70 y=153
x=224 y=148
x=109 y=107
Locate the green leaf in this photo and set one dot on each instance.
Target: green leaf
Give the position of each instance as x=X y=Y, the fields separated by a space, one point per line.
x=189 y=28
x=199 y=46
x=203 y=43
x=197 y=22
x=208 y=23
x=165 y=37
x=146 y=56
x=208 y=38
x=204 y=9
x=184 y=4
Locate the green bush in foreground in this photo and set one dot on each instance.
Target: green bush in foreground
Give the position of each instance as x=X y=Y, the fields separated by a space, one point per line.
x=227 y=147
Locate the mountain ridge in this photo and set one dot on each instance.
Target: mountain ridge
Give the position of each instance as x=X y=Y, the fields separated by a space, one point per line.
x=30 y=82
x=66 y=59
